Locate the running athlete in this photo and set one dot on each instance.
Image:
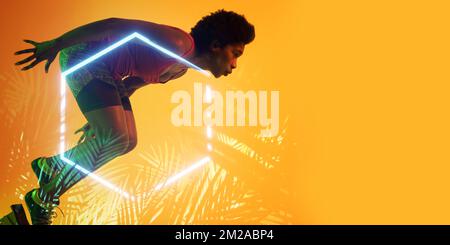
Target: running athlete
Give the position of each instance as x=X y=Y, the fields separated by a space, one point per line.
x=103 y=87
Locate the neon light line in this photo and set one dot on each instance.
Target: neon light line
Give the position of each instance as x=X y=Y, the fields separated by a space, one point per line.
x=96 y=56
x=191 y=168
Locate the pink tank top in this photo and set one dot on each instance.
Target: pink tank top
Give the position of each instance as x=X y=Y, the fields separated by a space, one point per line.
x=136 y=58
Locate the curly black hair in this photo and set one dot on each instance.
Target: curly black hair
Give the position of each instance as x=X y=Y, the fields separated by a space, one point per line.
x=226 y=27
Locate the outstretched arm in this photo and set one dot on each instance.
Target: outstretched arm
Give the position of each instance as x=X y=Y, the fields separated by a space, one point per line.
x=95 y=31
x=47 y=50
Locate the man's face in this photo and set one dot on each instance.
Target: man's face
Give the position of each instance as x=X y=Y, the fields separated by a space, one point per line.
x=224 y=59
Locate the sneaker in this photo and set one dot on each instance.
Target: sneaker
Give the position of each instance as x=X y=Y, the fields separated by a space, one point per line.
x=42 y=176
x=40 y=214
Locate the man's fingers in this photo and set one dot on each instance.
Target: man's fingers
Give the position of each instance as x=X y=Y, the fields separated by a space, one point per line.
x=30 y=42
x=30 y=50
x=30 y=65
x=49 y=61
x=47 y=65
x=25 y=60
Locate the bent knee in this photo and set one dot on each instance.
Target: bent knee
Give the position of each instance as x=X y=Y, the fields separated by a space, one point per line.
x=132 y=143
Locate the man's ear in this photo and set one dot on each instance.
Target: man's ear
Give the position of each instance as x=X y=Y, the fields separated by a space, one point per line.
x=215 y=46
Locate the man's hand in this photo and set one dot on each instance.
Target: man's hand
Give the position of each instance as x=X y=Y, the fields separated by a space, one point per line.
x=88 y=133
x=42 y=51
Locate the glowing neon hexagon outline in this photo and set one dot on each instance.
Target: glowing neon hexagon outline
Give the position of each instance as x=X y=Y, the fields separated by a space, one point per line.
x=103 y=52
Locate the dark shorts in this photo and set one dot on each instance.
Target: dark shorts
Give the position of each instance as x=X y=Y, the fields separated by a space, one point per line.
x=92 y=85
x=98 y=94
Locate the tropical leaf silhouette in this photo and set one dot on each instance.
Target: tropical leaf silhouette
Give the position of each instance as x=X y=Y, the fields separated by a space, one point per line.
x=29 y=128
x=245 y=182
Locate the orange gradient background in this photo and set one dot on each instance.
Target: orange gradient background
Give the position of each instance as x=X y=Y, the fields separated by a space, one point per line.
x=363 y=117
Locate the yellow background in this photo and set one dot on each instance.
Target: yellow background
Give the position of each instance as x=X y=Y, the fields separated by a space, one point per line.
x=364 y=100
